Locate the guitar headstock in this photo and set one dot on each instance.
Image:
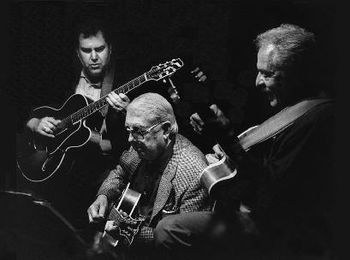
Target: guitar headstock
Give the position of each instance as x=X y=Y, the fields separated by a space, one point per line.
x=164 y=69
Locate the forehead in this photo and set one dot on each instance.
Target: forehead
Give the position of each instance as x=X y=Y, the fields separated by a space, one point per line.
x=266 y=55
x=92 y=40
x=136 y=116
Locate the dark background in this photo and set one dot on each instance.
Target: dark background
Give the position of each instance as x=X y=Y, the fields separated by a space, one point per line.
x=215 y=35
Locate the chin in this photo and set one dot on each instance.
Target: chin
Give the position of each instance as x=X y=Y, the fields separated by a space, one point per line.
x=96 y=73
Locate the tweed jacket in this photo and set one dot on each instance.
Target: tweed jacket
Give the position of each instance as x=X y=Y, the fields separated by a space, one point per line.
x=181 y=177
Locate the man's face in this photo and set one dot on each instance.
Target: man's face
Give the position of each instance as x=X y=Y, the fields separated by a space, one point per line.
x=153 y=144
x=94 y=54
x=270 y=80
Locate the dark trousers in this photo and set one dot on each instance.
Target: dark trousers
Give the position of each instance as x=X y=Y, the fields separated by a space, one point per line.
x=209 y=235
x=196 y=235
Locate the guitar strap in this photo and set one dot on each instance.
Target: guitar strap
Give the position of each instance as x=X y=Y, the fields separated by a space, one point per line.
x=107 y=86
x=278 y=122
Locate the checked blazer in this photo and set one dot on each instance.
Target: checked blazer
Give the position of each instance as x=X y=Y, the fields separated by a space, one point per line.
x=181 y=178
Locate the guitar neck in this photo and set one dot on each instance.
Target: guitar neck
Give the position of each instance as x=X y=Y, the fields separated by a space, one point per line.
x=99 y=104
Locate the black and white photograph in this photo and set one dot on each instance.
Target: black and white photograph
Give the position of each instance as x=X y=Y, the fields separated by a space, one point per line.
x=170 y=130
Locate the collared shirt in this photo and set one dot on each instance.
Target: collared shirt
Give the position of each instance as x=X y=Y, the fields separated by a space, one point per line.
x=93 y=92
x=86 y=88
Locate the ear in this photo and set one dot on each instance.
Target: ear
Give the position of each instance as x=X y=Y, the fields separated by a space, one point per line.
x=77 y=51
x=166 y=129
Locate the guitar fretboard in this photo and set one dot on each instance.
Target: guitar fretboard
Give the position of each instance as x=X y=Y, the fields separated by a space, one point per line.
x=156 y=73
x=99 y=104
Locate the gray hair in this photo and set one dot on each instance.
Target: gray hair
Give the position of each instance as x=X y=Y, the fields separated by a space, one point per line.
x=157 y=109
x=294 y=45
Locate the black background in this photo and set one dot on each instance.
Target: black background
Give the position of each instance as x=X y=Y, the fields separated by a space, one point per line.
x=216 y=35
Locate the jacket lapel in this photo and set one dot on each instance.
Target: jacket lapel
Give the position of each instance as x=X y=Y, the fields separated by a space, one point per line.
x=129 y=162
x=107 y=86
x=165 y=184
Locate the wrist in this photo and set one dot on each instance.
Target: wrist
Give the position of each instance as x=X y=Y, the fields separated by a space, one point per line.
x=32 y=124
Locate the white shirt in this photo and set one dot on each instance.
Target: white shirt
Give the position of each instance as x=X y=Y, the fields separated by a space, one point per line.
x=86 y=88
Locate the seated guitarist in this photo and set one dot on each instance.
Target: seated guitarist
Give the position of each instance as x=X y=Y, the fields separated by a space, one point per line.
x=280 y=203
x=163 y=166
x=94 y=51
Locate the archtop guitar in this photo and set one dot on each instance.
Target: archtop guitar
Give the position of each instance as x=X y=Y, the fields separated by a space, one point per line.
x=39 y=157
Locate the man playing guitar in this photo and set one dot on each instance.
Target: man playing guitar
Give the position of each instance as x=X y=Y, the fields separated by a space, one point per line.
x=83 y=175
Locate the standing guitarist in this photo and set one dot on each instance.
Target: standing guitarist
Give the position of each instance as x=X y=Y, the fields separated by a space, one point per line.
x=84 y=174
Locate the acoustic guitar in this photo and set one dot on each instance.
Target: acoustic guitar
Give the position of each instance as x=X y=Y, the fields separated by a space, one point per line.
x=127 y=203
x=39 y=157
x=106 y=242
x=222 y=171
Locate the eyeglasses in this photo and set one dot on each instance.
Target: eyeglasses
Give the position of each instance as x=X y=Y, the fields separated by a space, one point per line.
x=138 y=133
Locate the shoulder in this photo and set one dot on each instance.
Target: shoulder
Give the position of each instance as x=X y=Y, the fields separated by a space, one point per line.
x=317 y=125
x=188 y=154
x=187 y=148
x=318 y=118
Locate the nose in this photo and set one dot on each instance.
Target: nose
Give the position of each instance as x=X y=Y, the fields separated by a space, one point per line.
x=259 y=80
x=94 y=55
x=131 y=138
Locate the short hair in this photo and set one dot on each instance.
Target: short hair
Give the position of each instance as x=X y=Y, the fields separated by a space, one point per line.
x=157 y=109
x=296 y=53
x=90 y=27
x=294 y=45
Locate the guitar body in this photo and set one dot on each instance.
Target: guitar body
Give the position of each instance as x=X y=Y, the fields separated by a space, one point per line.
x=39 y=157
x=106 y=242
x=221 y=172
x=127 y=203
x=217 y=174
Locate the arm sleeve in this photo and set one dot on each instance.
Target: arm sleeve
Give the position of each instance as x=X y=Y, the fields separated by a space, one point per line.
x=114 y=184
x=194 y=196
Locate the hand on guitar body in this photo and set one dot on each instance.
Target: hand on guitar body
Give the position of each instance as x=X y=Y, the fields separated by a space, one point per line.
x=120 y=225
x=98 y=209
x=215 y=157
x=44 y=126
x=112 y=226
x=97 y=212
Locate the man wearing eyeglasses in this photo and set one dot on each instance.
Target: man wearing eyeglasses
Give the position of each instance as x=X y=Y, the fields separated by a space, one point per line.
x=161 y=164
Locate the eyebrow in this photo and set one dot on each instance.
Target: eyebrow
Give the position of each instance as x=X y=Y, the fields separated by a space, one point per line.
x=97 y=48
x=266 y=71
x=134 y=126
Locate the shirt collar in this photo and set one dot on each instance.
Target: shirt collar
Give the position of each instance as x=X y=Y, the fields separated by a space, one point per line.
x=87 y=81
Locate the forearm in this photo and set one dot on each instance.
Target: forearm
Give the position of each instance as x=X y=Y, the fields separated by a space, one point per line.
x=113 y=185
